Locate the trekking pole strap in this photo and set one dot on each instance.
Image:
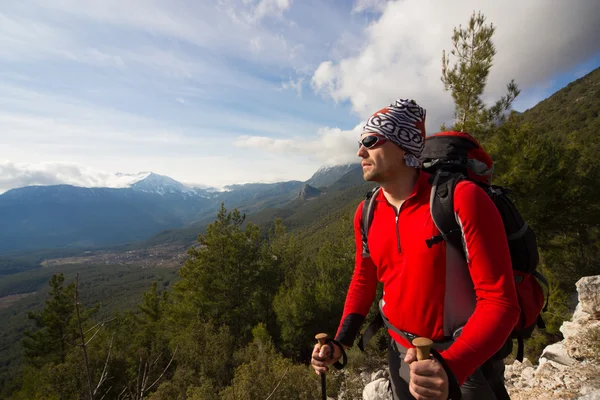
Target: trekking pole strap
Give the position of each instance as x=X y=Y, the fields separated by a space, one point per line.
x=454 y=392
x=337 y=364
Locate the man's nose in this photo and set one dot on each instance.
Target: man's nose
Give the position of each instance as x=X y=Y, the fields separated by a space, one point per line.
x=362 y=152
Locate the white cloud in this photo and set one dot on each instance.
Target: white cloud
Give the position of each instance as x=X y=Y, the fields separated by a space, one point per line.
x=255 y=45
x=331 y=146
x=112 y=29
x=15 y=175
x=33 y=39
x=271 y=7
x=402 y=54
x=63 y=121
x=250 y=12
x=295 y=85
x=26 y=38
x=98 y=57
x=368 y=5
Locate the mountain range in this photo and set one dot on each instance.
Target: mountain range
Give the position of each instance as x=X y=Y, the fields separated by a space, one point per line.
x=67 y=216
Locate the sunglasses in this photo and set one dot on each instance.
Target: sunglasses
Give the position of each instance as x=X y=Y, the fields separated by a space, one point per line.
x=371 y=141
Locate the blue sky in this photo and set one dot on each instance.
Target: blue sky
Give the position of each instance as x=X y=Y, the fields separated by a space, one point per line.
x=231 y=91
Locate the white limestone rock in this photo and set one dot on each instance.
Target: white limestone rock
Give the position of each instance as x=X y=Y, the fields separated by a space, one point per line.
x=557 y=353
x=379 y=389
x=378 y=375
x=519 y=375
x=589 y=294
x=589 y=393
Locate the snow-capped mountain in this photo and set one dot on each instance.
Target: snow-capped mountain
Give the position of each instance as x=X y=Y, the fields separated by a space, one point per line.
x=126 y=179
x=328 y=175
x=84 y=177
x=150 y=182
x=160 y=184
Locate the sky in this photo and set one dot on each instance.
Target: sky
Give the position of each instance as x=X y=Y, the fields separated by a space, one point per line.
x=218 y=92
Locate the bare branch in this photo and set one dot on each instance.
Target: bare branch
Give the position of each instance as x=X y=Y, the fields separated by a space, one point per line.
x=101 y=398
x=104 y=371
x=100 y=323
x=94 y=335
x=138 y=386
x=145 y=378
x=281 y=380
x=165 y=370
x=156 y=361
x=122 y=391
x=64 y=337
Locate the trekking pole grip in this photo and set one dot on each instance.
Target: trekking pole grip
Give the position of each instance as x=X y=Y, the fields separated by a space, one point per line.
x=322 y=338
x=423 y=346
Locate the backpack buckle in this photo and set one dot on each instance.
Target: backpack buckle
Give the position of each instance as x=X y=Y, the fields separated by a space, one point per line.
x=434 y=240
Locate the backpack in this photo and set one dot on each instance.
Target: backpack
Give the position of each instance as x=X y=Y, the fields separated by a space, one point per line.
x=451 y=157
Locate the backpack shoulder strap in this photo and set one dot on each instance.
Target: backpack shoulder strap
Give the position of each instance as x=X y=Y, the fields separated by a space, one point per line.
x=365 y=223
x=367 y=217
x=441 y=203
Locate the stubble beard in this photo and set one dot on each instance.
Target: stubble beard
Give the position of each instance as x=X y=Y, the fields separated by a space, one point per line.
x=371 y=175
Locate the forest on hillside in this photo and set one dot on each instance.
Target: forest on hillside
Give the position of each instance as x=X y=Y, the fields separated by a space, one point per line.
x=240 y=321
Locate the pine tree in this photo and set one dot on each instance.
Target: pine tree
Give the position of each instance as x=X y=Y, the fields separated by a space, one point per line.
x=54 y=366
x=148 y=322
x=281 y=255
x=467 y=78
x=56 y=325
x=221 y=277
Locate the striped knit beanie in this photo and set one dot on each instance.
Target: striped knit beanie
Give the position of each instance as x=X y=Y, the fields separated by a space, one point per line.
x=402 y=122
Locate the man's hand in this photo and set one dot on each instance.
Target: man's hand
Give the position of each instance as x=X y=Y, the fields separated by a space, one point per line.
x=322 y=359
x=428 y=380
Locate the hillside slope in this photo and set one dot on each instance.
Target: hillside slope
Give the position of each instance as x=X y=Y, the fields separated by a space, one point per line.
x=574 y=108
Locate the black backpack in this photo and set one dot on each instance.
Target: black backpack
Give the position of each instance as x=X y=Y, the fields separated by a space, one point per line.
x=451 y=157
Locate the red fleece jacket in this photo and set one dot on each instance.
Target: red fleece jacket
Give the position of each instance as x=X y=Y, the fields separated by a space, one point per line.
x=413 y=275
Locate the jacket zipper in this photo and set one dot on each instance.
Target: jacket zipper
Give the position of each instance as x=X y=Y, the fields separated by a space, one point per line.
x=398 y=232
x=398 y=227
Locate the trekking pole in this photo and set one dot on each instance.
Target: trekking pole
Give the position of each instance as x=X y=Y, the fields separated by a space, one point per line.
x=322 y=338
x=423 y=346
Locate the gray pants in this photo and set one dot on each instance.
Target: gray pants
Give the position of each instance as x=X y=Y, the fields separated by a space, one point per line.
x=487 y=382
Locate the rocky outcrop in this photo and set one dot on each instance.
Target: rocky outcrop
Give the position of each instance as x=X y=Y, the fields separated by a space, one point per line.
x=569 y=369
x=378 y=388
x=308 y=192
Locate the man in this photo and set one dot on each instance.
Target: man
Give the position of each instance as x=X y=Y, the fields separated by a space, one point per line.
x=469 y=310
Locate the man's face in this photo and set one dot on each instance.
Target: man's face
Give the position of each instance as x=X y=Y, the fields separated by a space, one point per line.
x=382 y=162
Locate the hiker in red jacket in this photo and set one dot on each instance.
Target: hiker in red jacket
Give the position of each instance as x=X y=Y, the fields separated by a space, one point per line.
x=468 y=310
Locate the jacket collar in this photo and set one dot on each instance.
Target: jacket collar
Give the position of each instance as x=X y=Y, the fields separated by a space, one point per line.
x=422 y=185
